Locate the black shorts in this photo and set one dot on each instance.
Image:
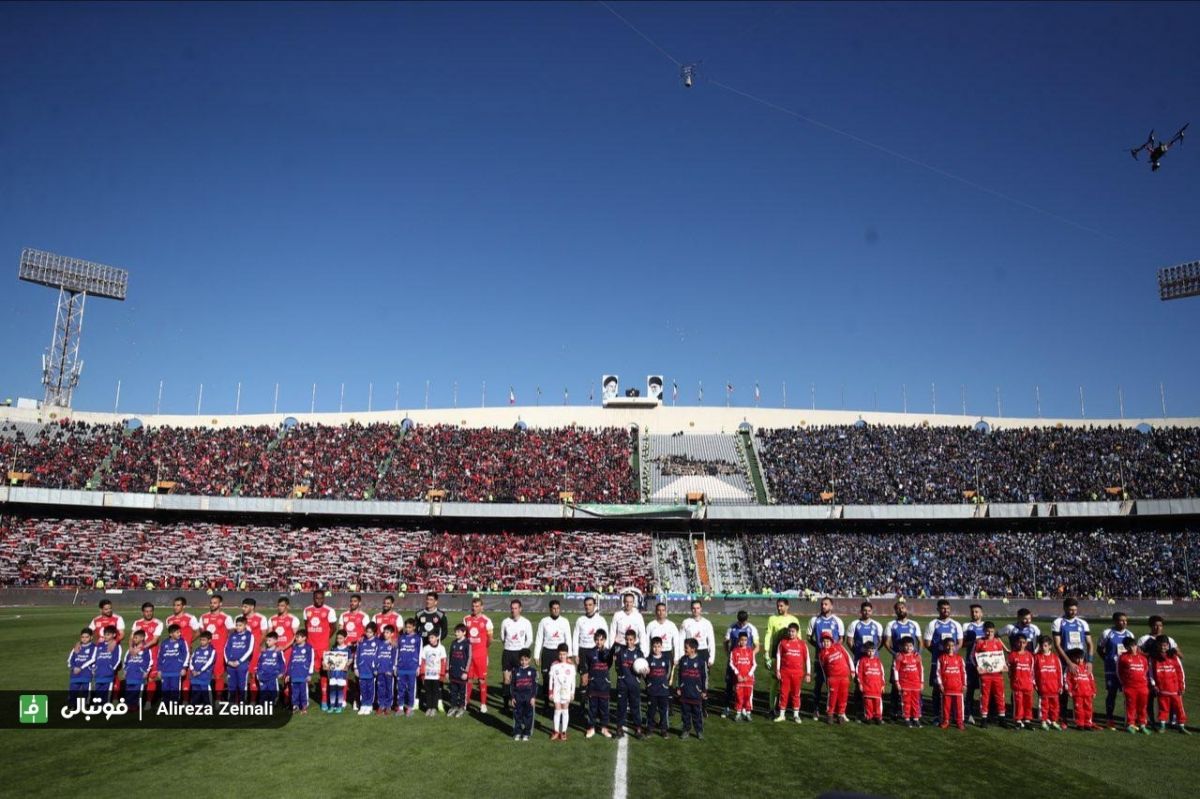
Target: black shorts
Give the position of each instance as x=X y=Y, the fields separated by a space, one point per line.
x=510 y=660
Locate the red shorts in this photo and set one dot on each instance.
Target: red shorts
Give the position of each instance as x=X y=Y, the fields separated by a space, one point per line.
x=319 y=656
x=479 y=665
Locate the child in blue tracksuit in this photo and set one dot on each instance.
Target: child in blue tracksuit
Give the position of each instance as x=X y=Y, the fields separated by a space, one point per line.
x=597 y=664
x=408 y=663
x=658 y=689
x=524 y=689
x=364 y=667
x=108 y=663
x=173 y=660
x=337 y=677
x=629 y=687
x=239 y=649
x=81 y=664
x=137 y=667
x=692 y=674
x=460 y=668
x=271 y=665
x=203 y=666
x=300 y=669
x=385 y=670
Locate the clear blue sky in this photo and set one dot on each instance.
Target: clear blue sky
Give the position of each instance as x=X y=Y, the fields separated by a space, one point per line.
x=525 y=195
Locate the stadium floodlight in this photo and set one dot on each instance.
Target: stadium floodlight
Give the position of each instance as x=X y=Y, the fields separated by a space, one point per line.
x=1176 y=282
x=75 y=279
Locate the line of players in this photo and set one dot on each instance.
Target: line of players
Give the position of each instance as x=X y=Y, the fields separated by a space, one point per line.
x=1057 y=665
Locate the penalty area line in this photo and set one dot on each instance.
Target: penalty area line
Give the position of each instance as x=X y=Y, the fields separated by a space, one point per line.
x=621 y=770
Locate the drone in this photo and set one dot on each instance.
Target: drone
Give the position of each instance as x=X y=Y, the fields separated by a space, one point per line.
x=1157 y=149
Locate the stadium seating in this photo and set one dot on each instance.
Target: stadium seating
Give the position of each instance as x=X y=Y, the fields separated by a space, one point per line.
x=710 y=464
x=676 y=569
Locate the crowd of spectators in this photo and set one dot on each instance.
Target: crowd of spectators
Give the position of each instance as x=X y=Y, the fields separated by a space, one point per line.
x=1097 y=564
x=333 y=462
x=511 y=465
x=684 y=466
x=864 y=464
x=59 y=455
x=99 y=553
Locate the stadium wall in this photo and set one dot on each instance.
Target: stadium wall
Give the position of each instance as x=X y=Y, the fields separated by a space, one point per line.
x=661 y=419
x=677 y=605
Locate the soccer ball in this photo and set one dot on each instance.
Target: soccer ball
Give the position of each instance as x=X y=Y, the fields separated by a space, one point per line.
x=641 y=667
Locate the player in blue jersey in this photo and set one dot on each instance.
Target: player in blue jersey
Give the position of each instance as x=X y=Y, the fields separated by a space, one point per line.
x=862 y=631
x=691 y=673
x=894 y=634
x=937 y=633
x=972 y=631
x=138 y=665
x=239 y=651
x=818 y=625
x=364 y=666
x=658 y=687
x=1111 y=647
x=301 y=666
x=338 y=674
x=108 y=664
x=385 y=671
x=81 y=665
x=174 y=657
x=1069 y=631
x=201 y=669
x=271 y=666
x=408 y=663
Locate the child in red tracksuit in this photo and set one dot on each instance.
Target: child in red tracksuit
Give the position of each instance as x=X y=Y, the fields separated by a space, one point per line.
x=1048 y=674
x=991 y=685
x=1133 y=670
x=908 y=672
x=1020 y=678
x=835 y=663
x=1081 y=685
x=870 y=675
x=1169 y=682
x=742 y=661
x=792 y=666
x=952 y=676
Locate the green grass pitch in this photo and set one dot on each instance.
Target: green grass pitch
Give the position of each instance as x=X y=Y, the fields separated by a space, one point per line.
x=320 y=755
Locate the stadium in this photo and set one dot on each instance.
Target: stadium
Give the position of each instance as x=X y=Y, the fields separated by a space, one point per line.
x=315 y=521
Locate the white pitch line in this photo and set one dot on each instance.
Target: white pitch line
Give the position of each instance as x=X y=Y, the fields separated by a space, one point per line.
x=621 y=772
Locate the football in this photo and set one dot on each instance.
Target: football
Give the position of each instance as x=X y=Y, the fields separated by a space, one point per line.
x=641 y=667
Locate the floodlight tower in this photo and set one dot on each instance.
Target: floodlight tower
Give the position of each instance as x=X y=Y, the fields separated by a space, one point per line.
x=1176 y=282
x=75 y=280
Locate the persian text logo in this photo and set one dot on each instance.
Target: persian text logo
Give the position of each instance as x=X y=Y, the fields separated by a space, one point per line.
x=34 y=708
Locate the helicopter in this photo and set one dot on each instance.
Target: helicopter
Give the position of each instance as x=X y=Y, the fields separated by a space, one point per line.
x=1157 y=149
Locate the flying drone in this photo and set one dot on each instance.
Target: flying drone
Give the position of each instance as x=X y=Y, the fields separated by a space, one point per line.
x=1157 y=149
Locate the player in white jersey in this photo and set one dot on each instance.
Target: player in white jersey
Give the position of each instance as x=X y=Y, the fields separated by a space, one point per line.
x=700 y=628
x=516 y=634
x=662 y=627
x=560 y=686
x=626 y=619
x=552 y=630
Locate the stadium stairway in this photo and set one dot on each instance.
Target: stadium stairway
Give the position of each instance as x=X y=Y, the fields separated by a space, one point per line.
x=274 y=445
x=386 y=464
x=750 y=460
x=701 y=564
x=105 y=466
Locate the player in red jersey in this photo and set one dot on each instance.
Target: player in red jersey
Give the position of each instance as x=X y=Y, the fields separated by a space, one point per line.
x=871 y=678
x=319 y=620
x=952 y=676
x=835 y=663
x=1021 y=666
x=479 y=633
x=219 y=625
x=188 y=624
x=284 y=625
x=991 y=684
x=354 y=623
x=792 y=667
x=153 y=630
x=388 y=616
x=258 y=626
x=107 y=619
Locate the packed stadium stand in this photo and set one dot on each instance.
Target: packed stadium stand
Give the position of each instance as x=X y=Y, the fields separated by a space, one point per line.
x=709 y=464
x=96 y=553
x=873 y=464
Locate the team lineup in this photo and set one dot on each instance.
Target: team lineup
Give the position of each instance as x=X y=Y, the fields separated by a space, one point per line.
x=388 y=665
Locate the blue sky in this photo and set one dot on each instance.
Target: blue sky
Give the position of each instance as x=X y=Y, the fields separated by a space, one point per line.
x=526 y=195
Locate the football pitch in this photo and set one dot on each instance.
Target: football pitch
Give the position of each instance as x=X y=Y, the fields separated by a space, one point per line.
x=348 y=755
